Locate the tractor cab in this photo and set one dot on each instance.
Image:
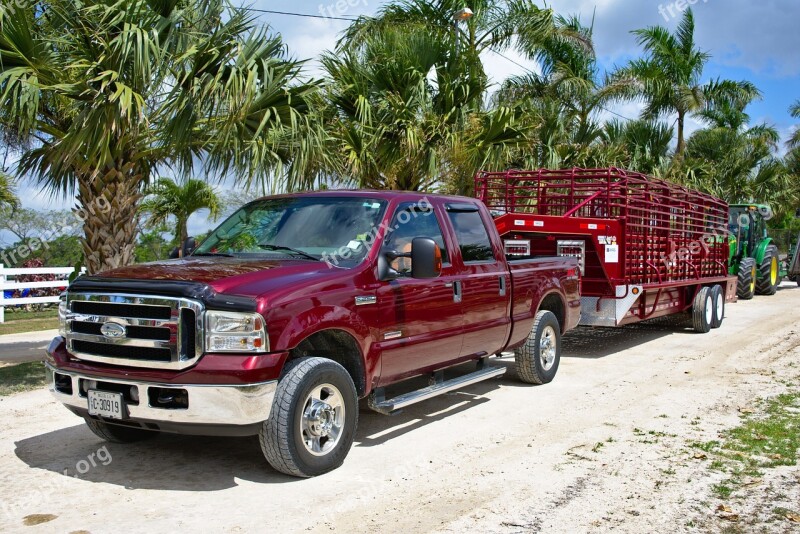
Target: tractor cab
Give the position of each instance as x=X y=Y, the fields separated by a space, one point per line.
x=748 y=225
x=754 y=257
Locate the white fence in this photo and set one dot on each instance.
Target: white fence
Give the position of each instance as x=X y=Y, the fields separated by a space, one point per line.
x=10 y=285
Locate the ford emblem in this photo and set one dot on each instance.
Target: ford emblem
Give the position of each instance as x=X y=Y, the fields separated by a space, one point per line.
x=113 y=330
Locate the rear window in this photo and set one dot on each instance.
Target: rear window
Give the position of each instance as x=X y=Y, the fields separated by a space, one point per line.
x=473 y=239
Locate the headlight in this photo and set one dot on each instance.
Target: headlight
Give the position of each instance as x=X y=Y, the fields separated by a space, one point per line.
x=235 y=332
x=62 y=317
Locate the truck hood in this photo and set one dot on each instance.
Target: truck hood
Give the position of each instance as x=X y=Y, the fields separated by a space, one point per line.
x=237 y=276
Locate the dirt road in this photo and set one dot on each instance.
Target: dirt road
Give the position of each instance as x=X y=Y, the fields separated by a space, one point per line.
x=607 y=446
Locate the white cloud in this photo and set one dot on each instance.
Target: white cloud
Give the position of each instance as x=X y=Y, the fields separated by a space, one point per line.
x=760 y=36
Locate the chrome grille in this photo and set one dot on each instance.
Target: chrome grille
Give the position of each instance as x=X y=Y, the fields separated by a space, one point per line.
x=134 y=330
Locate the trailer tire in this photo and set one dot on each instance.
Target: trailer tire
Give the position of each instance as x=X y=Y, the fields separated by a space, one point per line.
x=769 y=277
x=718 y=298
x=118 y=433
x=746 y=284
x=313 y=420
x=538 y=359
x=703 y=310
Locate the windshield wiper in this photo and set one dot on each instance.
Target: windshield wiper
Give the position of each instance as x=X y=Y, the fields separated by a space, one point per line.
x=220 y=254
x=280 y=248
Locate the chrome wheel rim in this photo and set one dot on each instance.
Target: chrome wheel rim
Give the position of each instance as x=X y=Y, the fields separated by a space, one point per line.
x=547 y=348
x=322 y=422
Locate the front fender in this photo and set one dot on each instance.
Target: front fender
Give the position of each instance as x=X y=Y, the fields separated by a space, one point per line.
x=324 y=318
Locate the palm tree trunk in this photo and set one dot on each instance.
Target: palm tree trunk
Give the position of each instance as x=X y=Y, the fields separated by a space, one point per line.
x=183 y=232
x=108 y=206
x=681 y=139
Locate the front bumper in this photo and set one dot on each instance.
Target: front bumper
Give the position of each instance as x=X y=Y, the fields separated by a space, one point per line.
x=208 y=405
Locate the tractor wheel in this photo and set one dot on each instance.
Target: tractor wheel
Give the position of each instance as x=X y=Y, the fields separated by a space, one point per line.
x=769 y=273
x=746 y=285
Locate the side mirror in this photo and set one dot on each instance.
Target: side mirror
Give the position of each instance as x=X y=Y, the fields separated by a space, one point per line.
x=426 y=258
x=188 y=246
x=184 y=250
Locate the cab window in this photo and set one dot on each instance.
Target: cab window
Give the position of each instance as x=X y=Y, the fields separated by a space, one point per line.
x=412 y=221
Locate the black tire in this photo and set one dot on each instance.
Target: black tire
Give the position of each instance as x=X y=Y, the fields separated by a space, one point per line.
x=703 y=310
x=538 y=359
x=718 y=300
x=746 y=284
x=285 y=442
x=769 y=272
x=118 y=433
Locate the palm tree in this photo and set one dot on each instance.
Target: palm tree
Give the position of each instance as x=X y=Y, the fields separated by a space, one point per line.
x=103 y=94
x=168 y=199
x=7 y=196
x=401 y=111
x=738 y=162
x=794 y=140
x=563 y=100
x=669 y=78
x=493 y=25
x=646 y=144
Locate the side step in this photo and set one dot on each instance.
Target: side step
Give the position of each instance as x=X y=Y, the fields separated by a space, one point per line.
x=438 y=386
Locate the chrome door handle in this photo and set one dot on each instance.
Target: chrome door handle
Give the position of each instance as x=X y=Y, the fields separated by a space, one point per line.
x=457 y=291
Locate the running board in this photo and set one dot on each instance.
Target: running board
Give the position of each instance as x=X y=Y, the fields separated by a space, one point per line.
x=378 y=402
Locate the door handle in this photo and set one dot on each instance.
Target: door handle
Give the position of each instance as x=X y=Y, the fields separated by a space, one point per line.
x=502 y=286
x=457 y=291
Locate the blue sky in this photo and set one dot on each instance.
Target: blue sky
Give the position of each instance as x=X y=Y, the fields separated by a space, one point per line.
x=754 y=40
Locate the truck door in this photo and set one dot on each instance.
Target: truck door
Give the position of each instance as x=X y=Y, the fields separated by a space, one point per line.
x=485 y=282
x=421 y=320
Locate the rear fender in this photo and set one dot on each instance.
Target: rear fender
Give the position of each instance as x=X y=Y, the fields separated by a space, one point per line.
x=761 y=250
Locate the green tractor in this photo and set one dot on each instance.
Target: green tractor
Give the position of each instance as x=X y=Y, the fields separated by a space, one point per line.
x=754 y=257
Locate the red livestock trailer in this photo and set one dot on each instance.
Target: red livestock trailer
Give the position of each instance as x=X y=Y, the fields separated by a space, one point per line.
x=647 y=248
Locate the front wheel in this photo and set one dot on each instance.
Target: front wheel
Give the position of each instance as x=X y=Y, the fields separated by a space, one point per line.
x=313 y=420
x=746 y=283
x=537 y=360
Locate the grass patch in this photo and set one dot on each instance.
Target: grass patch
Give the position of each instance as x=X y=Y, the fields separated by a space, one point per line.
x=20 y=322
x=21 y=377
x=767 y=438
x=723 y=491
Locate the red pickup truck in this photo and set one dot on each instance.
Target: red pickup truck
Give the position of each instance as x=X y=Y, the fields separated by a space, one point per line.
x=296 y=307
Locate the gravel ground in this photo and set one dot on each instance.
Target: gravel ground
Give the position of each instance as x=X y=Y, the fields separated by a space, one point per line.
x=606 y=447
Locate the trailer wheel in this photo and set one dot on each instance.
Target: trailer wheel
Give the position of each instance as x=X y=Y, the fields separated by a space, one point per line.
x=703 y=310
x=537 y=360
x=118 y=433
x=313 y=420
x=718 y=297
x=746 y=284
x=769 y=273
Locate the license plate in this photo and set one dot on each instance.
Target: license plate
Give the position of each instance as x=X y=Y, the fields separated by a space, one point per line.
x=106 y=404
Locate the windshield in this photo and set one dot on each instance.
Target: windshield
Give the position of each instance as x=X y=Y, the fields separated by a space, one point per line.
x=331 y=229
